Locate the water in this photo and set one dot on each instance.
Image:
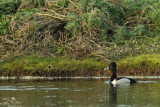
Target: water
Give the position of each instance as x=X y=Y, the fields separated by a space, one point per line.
x=78 y=93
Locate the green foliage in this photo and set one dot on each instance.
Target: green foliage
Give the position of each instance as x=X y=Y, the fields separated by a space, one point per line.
x=96 y=15
x=147 y=13
x=26 y=13
x=25 y=19
x=154 y=14
x=99 y=28
x=60 y=50
x=81 y=22
x=121 y=33
x=9 y=6
x=137 y=31
x=4 y=24
x=63 y=3
x=103 y=16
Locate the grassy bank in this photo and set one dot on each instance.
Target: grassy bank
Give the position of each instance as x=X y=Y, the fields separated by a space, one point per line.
x=61 y=66
x=51 y=66
x=142 y=65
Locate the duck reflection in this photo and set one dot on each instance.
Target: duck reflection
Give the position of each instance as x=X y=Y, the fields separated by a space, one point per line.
x=112 y=96
x=113 y=93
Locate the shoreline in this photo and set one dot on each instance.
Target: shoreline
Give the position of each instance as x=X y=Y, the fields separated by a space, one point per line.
x=143 y=65
x=72 y=78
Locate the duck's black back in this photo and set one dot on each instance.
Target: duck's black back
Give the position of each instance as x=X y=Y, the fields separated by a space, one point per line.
x=132 y=80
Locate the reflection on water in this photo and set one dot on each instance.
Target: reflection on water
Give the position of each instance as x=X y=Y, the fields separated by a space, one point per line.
x=112 y=96
x=77 y=93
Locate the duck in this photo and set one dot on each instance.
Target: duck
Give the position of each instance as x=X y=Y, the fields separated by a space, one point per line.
x=114 y=80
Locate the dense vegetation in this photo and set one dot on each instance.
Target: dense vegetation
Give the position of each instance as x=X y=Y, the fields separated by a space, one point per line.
x=105 y=30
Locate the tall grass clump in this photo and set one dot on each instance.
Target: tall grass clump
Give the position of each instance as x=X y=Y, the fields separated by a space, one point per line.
x=141 y=65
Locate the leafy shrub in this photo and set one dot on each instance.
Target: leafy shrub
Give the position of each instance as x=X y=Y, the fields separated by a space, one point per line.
x=4 y=24
x=137 y=30
x=9 y=7
x=101 y=28
x=121 y=33
x=97 y=15
x=144 y=15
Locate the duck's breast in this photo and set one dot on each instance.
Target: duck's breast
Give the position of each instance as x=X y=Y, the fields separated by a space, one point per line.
x=120 y=81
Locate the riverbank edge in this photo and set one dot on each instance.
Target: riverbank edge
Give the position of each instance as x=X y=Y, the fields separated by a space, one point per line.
x=143 y=65
x=28 y=78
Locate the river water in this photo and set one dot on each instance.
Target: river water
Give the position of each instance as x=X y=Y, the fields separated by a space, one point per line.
x=79 y=93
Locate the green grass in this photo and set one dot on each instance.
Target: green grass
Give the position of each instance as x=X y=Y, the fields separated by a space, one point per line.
x=141 y=65
x=62 y=66
x=50 y=66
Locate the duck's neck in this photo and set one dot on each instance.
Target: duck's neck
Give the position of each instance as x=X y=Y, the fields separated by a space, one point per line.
x=113 y=77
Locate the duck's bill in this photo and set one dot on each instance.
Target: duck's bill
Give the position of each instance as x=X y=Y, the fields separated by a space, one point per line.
x=107 y=68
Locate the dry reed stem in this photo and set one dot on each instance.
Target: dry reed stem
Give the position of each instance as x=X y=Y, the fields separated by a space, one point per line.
x=55 y=17
x=57 y=14
x=75 y=6
x=119 y=4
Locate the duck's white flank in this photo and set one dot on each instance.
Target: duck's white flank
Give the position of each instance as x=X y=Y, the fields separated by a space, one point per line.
x=121 y=81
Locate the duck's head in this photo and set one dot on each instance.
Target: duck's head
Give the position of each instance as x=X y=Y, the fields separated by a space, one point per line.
x=112 y=67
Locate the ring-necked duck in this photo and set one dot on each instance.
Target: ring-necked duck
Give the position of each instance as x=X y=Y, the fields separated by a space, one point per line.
x=120 y=80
